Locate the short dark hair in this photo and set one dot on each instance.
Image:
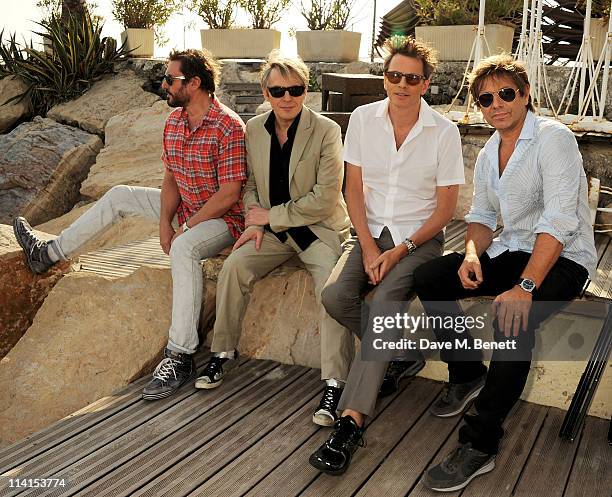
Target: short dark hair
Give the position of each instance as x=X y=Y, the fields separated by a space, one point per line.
x=198 y=63
x=409 y=47
x=496 y=66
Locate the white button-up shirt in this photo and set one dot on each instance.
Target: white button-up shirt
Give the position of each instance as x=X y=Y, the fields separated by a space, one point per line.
x=543 y=189
x=400 y=185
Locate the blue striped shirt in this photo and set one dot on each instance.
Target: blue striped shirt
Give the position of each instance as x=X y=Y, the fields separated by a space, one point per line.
x=543 y=189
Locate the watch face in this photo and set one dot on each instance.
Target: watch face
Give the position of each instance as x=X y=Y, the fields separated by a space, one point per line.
x=527 y=285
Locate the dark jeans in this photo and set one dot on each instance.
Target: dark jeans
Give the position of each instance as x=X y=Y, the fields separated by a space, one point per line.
x=438 y=287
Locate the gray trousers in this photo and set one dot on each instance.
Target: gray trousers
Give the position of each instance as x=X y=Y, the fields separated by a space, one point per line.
x=206 y=239
x=342 y=298
x=246 y=265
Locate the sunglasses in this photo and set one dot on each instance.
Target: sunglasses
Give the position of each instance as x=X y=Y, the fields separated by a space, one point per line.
x=506 y=94
x=279 y=91
x=412 y=79
x=169 y=79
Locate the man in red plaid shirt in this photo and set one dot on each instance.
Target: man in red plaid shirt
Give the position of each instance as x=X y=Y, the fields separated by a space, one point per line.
x=199 y=206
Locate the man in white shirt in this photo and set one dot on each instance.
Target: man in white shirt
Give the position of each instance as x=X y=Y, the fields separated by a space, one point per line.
x=530 y=174
x=404 y=168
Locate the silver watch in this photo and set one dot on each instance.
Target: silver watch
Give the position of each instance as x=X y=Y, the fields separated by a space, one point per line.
x=527 y=285
x=409 y=245
x=185 y=227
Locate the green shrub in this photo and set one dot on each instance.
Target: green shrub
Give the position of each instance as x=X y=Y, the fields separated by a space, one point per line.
x=79 y=58
x=457 y=12
x=327 y=14
x=264 y=13
x=216 y=13
x=144 y=14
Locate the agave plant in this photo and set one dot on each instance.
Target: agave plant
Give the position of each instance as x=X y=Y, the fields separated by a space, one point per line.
x=80 y=57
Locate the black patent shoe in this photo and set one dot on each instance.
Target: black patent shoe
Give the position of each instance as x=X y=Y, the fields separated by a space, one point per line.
x=334 y=456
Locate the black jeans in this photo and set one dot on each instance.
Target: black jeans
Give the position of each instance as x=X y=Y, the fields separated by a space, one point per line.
x=438 y=287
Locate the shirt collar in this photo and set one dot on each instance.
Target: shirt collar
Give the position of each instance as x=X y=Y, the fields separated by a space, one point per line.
x=212 y=114
x=426 y=117
x=271 y=121
x=527 y=133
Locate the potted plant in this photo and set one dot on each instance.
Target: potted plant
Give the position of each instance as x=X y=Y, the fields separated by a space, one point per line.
x=600 y=18
x=219 y=16
x=452 y=25
x=141 y=18
x=261 y=39
x=328 y=40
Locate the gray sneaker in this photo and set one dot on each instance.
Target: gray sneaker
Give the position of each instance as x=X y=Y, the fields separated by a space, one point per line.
x=35 y=249
x=458 y=469
x=171 y=373
x=456 y=397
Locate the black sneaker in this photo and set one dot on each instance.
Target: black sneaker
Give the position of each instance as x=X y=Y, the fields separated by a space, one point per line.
x=456 y=397
x=215 y=370
x=458 y=469
x=326 y=415
x=171 y=373
x=334 y=456
x=34 y=248
x=396 y=371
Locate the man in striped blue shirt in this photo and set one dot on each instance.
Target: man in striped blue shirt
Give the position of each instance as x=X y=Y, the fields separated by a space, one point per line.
x=529 y=177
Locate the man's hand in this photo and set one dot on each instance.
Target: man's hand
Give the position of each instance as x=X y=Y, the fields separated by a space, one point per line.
x=178 y=232
x=250 y=234
x=511 y=309
x=369 y=255
x=470 y=272
x=166 y=236
x=257 y=216
x=386 y=261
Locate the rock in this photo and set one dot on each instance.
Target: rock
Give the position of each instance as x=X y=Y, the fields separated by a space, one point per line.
x=471 y=146
x=108 y=97
x=88 y=339
x=132 y=155
x=21 y=292
x=14 y=112
x=124 y=231
x=42 y=165
x=282 y=320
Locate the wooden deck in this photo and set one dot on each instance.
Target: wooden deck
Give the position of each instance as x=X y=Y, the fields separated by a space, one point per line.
x=253 y=435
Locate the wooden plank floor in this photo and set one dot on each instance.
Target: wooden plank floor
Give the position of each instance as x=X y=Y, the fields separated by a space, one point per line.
x=253 y=435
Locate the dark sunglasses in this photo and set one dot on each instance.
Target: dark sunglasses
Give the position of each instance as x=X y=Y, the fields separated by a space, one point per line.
x=412 y=79
x=279 y=91
x=506 y=94
x=169 y=79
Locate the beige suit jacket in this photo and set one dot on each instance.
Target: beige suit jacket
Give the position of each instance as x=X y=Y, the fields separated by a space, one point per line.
x=316 y=171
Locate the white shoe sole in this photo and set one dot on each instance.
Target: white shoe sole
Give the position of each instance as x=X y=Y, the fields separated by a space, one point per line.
x=322 y=420
x=204 y=385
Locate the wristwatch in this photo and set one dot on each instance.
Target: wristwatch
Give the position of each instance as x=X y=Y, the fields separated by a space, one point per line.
x=527 y=285
x=185 y=227
x=409 y=245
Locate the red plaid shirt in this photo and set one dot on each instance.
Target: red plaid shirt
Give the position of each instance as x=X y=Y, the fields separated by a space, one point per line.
x=202 y=159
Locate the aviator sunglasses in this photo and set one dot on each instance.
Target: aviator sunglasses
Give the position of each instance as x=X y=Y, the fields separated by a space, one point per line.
x=506 y=94
x=279 y=91
x=412 y=79
x=169 y=79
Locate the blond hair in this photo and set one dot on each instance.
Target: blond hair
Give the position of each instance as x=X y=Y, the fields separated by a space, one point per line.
x=287 y=66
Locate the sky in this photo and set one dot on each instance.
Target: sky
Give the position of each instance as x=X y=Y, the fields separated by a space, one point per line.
x=183 y=29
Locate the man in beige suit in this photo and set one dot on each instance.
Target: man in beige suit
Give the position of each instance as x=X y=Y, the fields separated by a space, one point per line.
x=294 y=205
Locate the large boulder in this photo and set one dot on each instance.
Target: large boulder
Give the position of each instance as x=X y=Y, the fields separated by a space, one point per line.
x=21 y=292
x=42 y=165
x=132 y=155
x=124 y=231
x=15 y=111
x=108 y=97
x=91 y=336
